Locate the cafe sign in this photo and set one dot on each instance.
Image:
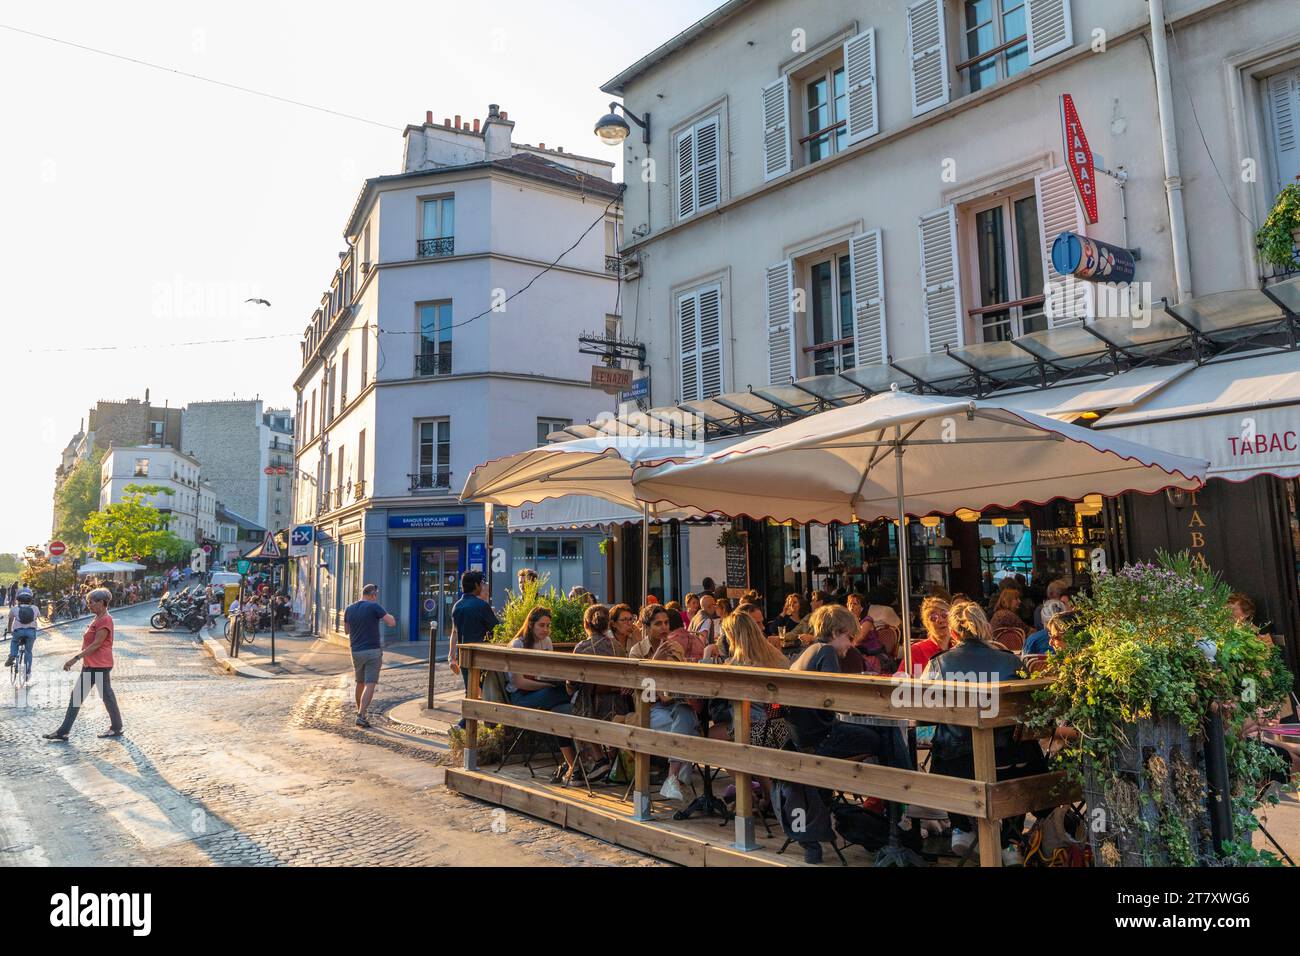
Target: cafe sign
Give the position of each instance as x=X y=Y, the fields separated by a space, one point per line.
x=612 y=380
x=1078 y=158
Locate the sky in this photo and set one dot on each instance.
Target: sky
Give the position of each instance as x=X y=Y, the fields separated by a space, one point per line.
x=140 y=208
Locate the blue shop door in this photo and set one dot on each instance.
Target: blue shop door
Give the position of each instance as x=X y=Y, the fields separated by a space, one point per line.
x=436 y=570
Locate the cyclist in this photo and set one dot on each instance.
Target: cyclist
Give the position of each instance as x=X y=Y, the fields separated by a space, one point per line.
x=21 y=627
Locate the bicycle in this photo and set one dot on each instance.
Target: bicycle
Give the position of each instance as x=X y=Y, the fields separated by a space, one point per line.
x=20 y=673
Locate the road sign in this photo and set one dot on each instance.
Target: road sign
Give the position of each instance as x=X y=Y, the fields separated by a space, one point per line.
x=269 y=548
x=242 y=566
x=207 y=549
x=56 y=559
x=300 y=539
x=268 y=470
x=1078 y=158
x=57 y=549
x=640 y=389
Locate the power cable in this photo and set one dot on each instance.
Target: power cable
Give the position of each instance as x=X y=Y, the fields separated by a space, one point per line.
x=197 y=76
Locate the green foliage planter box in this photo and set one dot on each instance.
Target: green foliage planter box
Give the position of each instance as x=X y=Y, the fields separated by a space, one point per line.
x=1153 y=652
x=1147 y=807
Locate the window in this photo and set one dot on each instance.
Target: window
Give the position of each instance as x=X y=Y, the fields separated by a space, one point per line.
x=361 y=464
x=434 y=455
x=156 y=432
x=331 y=376
x=830 y=314
x=343 y=383
x=547 y=425
x=434 y=357
x=1006 y=256
x=613 y=326
x=613 y=243
x=141 y=468
x=365 y=356
x=825 y=111
x=437 y=227
x=313 y=413
x=365 y=246
x=697 y=167
x=995 y=41
x=699 y=325
x=1282 y=103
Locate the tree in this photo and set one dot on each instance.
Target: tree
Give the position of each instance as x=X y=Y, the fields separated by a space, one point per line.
x=9 y=564
x=132 y=528
x=75 y=500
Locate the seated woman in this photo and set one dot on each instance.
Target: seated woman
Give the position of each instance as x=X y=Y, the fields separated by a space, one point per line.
x=749 y=648
x=596 y=700
x=952 y=752
x=934 y=614
x=1007 y=627
x=792 y=614
x=525 y=691
x=668 y=712
x=691 y=642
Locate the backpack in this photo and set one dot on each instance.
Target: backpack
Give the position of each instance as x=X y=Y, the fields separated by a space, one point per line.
x=26 y=615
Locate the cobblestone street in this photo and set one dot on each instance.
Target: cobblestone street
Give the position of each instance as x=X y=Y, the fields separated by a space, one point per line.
x=223 y=770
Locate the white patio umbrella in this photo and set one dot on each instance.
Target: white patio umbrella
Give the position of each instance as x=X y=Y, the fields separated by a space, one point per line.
x=897 y=454
x=97 y=567
x=600 y=467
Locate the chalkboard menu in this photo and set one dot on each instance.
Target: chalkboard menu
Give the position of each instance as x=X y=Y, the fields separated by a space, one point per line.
x=738 y=563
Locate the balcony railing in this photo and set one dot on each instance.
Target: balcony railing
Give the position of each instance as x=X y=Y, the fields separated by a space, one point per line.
x=614 y=265
x=433 y=363
x=431 y=481
x=436 y=248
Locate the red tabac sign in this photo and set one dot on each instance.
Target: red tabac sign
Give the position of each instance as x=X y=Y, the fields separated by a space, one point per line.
x=1078 y=157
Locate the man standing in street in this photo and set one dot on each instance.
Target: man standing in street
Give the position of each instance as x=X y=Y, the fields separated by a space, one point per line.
x=361 y=625
x=472 y=620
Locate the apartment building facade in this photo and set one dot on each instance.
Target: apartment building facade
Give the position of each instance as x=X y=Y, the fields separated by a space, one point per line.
x=871 y=188
x=427 y=357
x=187 y=505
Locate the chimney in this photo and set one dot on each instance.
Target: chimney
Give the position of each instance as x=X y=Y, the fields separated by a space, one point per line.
x=504 y=116
x=541 y=145
x=446 y=121
x=458 y=121
x=476 y=125
x=146 y=396
x=497 y=133
x=428 y=117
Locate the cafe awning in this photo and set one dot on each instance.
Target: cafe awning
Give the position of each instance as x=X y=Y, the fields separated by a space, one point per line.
x=569 y=512
x=1242 y=415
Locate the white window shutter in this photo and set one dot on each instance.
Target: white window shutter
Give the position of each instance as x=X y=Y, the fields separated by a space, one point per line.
x=1047 y=23
x=689 y=345
x=866 y=265
x=776 y=129
x=708 y=181
x=710 y=312
x=780 y=324
x=1284 y=118
x=928 y=48
x=941 y=280
x=860 y=84
x=1069 y=301
x=686 y=174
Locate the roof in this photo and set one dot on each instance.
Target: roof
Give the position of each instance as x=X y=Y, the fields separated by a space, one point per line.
x=227 y=516
x=524 y=164
x=692 y=33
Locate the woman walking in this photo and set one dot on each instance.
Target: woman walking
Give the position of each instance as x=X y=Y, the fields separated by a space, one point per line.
x=97 y=661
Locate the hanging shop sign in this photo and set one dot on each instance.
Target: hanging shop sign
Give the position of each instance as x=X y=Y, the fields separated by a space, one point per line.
x=1091 y=259
x=1078 y=158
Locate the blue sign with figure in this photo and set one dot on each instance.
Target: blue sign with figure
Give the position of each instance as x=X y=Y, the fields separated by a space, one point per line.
x=427 y=521
x=477 y=556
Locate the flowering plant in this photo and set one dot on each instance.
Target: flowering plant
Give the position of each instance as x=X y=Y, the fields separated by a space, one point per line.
x=1159 y=641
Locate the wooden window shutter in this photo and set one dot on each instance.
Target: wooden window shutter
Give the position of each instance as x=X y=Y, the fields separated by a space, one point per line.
x=860 y=83
x=776 y=129
x=1069 y=301
x=1284 y=120
x=687 y=325
x=686 y=174
x=710 y=341
x=870 y=341
x=928 y=49
x=708 y=181
x=1047 y=22
x=780 y=324
x=940 y=279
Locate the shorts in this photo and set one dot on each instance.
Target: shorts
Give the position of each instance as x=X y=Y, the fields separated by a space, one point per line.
x=365 y=665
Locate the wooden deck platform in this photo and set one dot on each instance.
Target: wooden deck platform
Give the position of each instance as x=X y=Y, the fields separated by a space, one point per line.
x=605 y=815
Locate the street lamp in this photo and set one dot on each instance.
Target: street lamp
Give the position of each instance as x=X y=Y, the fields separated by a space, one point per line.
x=613 y=129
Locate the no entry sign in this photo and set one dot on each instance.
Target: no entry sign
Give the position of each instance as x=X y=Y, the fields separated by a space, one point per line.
x=57 y=549
x=1078 y=158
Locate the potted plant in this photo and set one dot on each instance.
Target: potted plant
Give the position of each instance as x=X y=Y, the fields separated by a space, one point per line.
x=730 y=538
x=1156 y=652
x=566 y=613
x=1279 y=237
